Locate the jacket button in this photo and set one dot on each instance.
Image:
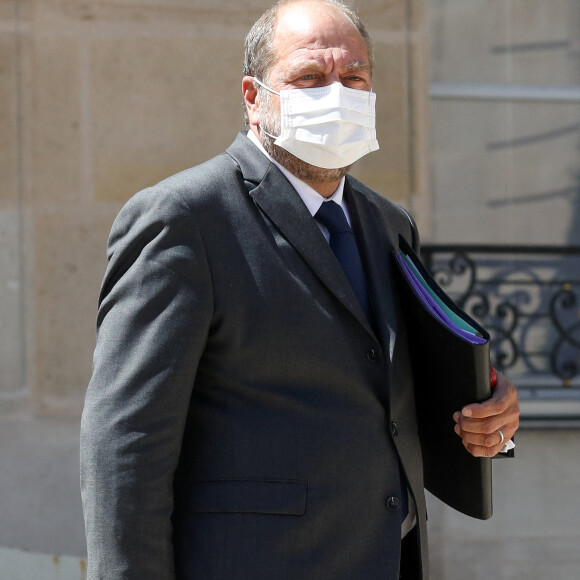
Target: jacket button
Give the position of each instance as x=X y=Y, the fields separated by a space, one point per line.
x=394 y=429
x=373 y=355
x=393 y=504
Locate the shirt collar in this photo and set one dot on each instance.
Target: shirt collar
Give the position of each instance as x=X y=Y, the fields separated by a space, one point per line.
x=311 y=198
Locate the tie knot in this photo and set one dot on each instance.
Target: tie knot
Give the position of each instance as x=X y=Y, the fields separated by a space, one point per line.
x=332 y=217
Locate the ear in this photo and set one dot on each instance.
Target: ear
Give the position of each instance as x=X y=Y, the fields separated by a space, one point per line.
x=251 y=100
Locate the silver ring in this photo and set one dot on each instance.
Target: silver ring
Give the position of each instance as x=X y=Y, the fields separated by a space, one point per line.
x=501 y=435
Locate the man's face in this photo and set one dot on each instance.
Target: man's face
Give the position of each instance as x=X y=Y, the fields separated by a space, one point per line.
x=316 y=45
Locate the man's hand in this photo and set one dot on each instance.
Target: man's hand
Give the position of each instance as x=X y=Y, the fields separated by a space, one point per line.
x=478 y=424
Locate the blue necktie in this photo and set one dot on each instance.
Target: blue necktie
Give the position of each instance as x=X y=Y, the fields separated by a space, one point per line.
x=343 y=244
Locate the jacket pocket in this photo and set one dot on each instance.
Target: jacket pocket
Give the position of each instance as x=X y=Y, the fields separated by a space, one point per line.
x=245 y=496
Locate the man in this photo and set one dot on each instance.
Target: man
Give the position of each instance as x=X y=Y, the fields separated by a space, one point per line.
x=251 y=410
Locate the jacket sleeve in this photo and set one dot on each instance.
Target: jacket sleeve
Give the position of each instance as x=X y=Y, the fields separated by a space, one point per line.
x=154 y=313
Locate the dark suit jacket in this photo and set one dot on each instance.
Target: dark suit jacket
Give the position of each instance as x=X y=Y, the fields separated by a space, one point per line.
x=244 y=420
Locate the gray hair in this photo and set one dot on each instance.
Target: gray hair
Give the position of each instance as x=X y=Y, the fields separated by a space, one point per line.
x=259 y=53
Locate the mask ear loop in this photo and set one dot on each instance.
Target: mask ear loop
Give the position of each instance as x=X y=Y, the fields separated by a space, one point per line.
x=271 y=91
x=266 y=86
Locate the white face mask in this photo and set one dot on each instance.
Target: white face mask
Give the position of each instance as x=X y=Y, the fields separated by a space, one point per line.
x=329 y=127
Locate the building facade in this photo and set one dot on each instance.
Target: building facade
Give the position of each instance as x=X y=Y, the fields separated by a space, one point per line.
x=478 y=122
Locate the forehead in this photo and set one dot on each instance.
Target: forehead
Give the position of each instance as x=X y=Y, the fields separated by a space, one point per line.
x=317 y=31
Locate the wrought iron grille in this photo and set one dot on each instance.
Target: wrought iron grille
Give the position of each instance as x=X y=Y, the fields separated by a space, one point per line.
x=528 y=298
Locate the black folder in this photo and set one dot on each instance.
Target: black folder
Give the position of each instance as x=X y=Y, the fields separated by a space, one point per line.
x=450 y=369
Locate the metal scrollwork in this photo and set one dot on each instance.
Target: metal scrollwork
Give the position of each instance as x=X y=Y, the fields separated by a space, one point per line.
x=564 y=355
x=476 y=304
x=505 y=350
x=460 y=270
x=565 y=299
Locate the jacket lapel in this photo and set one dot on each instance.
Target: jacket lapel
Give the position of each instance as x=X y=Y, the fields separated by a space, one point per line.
x=282 y=205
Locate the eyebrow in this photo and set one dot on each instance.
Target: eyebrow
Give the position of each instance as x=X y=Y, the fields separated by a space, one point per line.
x=354 y=66
x=301 y=68
x=316 y=66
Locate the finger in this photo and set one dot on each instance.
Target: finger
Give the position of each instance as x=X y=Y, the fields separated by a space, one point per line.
x=480 y=427
x=507 y=422
x=494 y=406
x=481 y=439
x=504 y=396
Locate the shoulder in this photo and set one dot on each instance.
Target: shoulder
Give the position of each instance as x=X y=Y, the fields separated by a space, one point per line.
x=192 y=186
x=206 y=187
x=185 y=196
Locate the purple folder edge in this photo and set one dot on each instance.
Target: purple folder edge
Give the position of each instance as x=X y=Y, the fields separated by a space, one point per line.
x=427 y=300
